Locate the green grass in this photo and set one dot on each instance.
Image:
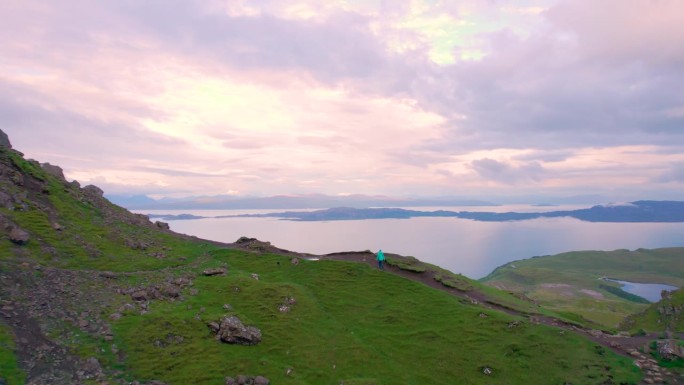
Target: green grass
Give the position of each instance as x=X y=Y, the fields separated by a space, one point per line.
x=9 y=367
x=352 y=324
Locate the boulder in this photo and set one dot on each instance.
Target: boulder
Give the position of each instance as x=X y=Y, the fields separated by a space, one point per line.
x=261 y=380
x=19 y=236
x=4 y=140
x=669 y=350
x=215 y=271
x=232 y=331
x=162 y=225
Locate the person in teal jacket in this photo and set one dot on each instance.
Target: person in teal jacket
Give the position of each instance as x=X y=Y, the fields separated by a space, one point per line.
x=381 y=259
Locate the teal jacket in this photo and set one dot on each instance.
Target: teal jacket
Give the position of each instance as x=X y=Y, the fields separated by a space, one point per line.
x=381 y=256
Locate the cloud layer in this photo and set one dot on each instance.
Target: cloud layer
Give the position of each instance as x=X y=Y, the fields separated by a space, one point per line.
x=554 y=97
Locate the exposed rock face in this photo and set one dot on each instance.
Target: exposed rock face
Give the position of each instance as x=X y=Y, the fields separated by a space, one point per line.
x=4 y=140
x=231 y=330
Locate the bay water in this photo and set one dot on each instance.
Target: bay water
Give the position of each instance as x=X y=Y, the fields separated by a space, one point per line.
x=463 y=246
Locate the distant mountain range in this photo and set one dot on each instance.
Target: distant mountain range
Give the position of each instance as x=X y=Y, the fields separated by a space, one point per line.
x=639 y=211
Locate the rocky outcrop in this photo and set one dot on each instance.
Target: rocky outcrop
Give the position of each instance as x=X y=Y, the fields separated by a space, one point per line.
x=53 y=170
x=232 y=331
x=4 y=140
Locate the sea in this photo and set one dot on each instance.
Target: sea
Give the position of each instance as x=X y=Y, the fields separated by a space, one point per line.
x=463 y=246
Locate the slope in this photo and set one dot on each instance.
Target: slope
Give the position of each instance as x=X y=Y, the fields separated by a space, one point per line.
x=91 y=293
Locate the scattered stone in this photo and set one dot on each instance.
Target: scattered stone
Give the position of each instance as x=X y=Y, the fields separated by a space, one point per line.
x=260 y=380
x=290 y=300
x=255 y=276
x=115 y=316
x=19 y=236
x=483 y=315
x=214 y=271
x=194 y=291
x=487 y=371
x=513 y=324
x=107 y=274
x=140 y=295
x=294 y=261
x=171 y=291
x=232 y=331
x=227 y=306
x=284 y=309
x=288 y=371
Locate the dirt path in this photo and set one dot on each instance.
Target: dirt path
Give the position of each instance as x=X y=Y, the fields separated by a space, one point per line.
x=623 y=345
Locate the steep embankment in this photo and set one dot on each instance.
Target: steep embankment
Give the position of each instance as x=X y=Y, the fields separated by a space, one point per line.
x=93 y=294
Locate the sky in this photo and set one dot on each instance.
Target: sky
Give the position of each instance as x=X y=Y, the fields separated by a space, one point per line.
x=174 y=98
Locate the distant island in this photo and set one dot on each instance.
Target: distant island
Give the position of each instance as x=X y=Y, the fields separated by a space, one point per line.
x=639 y=211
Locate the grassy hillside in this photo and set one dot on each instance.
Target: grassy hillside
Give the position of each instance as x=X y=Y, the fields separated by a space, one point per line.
x=93 y=294
x=570 y=282
x=353 y=325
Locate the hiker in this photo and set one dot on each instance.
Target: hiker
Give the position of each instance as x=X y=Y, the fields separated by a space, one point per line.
x=381 y=259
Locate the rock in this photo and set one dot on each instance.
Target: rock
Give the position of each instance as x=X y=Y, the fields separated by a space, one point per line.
x=214 y=271
x=19 y=236
x=261 y=380
x=115 y=316
x=232 y=331
x=93 y=191
x=4 y=140
x=483 y=315
x=230 y=381
x=487 y=371
x=255 y=276
x=107 y=274
x=294 y=261
x=284 y=309
x=6 y=200
x=669 y=350
x=171 y=291
x=214 y=326
x=162 y=225
x=140 y=295
x=241 y=380
x=227 y=306
x=53 y=170
x=57 y=227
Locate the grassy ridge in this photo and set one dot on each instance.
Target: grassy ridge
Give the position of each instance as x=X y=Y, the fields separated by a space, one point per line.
x=569 y=282
x=352 y=324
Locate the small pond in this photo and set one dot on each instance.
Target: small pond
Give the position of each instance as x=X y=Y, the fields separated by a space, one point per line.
x=650 y=291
